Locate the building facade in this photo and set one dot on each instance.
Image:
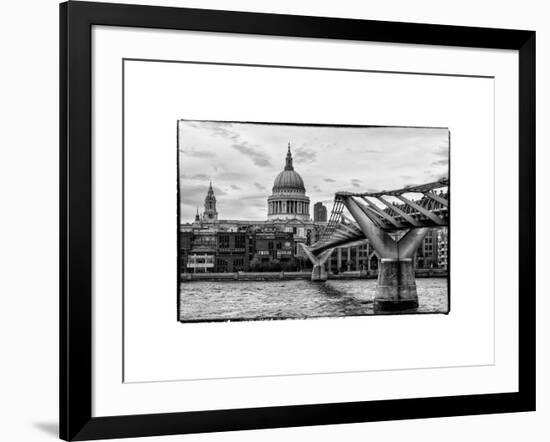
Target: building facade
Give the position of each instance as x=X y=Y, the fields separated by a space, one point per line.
x=426 y=255
x=443 y=249
x=358 y=258
x=273 y=251
x=201 y=255
x=319 y=212
x=211 y=244
x=232 y=254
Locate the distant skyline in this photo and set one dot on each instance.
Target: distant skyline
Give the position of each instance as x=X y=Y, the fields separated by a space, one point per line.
x=243 y=159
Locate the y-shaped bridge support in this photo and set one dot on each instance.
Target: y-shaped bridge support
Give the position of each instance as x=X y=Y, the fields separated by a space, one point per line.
x=319 y=272
x=396 y=289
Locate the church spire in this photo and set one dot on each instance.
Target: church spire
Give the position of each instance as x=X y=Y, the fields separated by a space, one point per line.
x=288 y=165
x=210 y=213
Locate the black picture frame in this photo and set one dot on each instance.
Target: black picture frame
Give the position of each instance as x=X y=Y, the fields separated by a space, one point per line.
x=76 y=21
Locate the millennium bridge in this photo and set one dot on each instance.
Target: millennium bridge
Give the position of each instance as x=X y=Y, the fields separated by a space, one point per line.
x=394 y=222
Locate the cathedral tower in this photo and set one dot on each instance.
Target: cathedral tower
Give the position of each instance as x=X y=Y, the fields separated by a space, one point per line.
x=210 y=213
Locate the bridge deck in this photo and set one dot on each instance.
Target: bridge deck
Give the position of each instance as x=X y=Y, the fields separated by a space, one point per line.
x=431 y=209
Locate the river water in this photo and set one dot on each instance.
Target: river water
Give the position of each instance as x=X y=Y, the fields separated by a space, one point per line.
x=251 y=300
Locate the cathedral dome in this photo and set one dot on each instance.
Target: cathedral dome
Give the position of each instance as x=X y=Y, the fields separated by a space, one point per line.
x=288 y=200
x=288 y=180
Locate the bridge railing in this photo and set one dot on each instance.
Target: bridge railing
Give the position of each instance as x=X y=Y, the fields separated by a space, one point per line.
x=334 y=220
x=425 y=202
x=431 y=209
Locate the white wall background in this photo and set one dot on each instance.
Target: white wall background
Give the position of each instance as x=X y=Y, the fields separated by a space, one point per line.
x=29 y=218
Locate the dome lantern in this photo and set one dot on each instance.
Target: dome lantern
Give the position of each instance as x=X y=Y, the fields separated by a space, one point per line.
x=288 y=165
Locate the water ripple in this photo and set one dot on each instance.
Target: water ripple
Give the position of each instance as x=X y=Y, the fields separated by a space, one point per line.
x=254 y=300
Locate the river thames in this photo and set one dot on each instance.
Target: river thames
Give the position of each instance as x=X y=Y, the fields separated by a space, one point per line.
x=295 y=299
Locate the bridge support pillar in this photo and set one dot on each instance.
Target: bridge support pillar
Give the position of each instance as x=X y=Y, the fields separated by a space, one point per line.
x=319 y=273
x=396 y=289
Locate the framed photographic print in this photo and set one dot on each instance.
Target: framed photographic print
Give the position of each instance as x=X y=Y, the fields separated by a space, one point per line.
x=272 y=220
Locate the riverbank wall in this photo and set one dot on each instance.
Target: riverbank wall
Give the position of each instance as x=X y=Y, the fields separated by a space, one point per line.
x=273 y=276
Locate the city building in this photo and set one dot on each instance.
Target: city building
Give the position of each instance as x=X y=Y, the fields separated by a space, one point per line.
x=201 y=256
x=232 y=251
x=443 y=249
x=288 y=199
x=319 y=212
x=211 y=244
x=426 y=255
x=356 y=258
x=431 y=254
x=273 y=251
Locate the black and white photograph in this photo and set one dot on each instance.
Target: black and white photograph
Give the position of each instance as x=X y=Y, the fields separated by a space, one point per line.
x=297 y=221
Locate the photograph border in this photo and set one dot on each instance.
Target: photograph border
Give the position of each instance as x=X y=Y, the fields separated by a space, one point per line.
x=75 y=271
x=306 y=124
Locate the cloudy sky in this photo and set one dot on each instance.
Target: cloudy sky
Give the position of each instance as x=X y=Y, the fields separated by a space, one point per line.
x=243 y=159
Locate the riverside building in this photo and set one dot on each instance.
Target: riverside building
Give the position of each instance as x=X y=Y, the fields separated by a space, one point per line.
x=213 y=244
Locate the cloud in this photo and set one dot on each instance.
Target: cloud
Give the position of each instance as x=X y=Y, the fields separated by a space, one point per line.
x=221 y=129
x=362 y=151
x=258 y=158
x=243 y=159
x=197 y=153
x=190 y=123
x=304 y=155
x=257 y=196
x=196 y=176
x=438 y=176
x=194 y=194
x=218 y=191
x=232 y=176
x=227 y=131
x=442 y=151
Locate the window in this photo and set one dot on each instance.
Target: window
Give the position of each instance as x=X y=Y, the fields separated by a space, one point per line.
x=222 y=265
x=240 y=241
x=224 y=241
